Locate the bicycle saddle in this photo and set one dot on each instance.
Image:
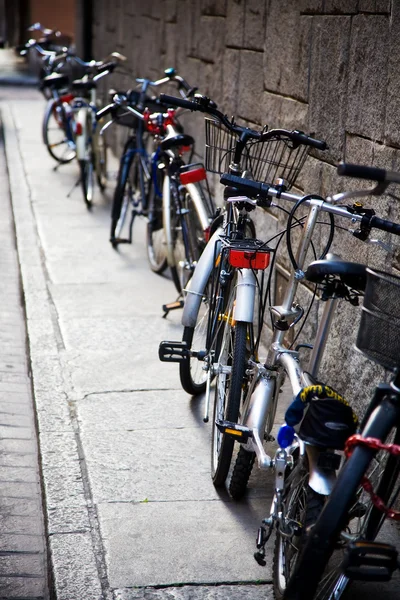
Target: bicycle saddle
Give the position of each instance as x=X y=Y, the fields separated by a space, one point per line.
x=56 y=80
x=350 y=273
x=182 y=139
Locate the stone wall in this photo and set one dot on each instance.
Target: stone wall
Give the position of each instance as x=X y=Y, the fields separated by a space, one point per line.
x=329 y=67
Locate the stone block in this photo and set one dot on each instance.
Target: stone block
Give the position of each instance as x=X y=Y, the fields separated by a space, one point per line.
x=235 y=23
x=392 y=125
x=203 y=592
x=214 y=7
x=254 y=31
x=286 y=50
x=340 y=6
x=328 y=82
x=210 y=39
x=170 y=11
x=230 y=77
x=368 y=67
x=250 y=85
x=279 y=111
x=375 y=6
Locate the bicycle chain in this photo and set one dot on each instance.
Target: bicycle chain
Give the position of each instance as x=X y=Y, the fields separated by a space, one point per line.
x=375 y=444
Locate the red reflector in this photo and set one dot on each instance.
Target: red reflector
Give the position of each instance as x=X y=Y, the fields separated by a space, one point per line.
x=78 y=129
x=207 y=233
x=248 y=259
x=67 y=98
x=193 y=176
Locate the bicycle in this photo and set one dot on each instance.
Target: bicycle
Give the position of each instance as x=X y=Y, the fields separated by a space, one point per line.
x=154 y=181
x=225 y=283
x=305 y=473
x=340 y=547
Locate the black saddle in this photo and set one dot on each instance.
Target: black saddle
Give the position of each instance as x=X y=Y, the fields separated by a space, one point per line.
x=350 y=273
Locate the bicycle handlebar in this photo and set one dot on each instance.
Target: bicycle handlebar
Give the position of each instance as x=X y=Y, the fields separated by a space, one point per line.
x=261 y=191
x=370 y=173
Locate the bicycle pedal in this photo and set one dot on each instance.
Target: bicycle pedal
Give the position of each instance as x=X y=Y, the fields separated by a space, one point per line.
x=173 y=351
x=117 y=241
x=239 y=432
x=172 y=306
x=370 y=561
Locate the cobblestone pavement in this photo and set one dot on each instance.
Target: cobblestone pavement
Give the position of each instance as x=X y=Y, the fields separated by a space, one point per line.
x=23 y=561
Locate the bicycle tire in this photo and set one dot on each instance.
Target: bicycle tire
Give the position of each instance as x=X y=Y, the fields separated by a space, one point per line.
x=228 y=393
x=54 y=135
x=155 y=234
x=120 y=189
x=317 y=574
x=302 y=505
x=101 y=160
x=187 y=244
x=241 y=473
x=87 y=180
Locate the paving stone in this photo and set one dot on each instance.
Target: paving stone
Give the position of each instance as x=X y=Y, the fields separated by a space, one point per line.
x=204 y=592
x=167 y=552
x=75 y=570
x=12 y=542
x=22 y=587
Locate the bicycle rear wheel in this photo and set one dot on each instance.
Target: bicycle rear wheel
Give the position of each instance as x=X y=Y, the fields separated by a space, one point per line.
x=349 y=515
x=87 y=179
x=123 y=193
x=57 y=132
x=156 y=243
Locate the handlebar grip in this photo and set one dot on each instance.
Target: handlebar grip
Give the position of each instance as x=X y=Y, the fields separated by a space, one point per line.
x=361 y=172
x=384 y=225
x=104 y=111
x=110 y=66
x=173 y=101
x=306 y=140
x=252 y=189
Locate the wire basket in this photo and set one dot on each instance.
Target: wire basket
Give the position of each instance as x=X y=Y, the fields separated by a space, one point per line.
x=379 y=332
x=265 y=161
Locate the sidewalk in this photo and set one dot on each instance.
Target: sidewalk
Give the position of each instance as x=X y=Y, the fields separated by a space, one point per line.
x=131 y=512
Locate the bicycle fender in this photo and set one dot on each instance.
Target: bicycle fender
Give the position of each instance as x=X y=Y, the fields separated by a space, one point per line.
x=201 y=211
x=245 y=295
x=195 y=288
x=166 y=204
x=80 y=140
x=321 y=480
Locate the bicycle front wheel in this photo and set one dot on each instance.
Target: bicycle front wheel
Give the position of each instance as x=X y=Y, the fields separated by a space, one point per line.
x=231 y=368
x=184 y=235
x=301 y=508
x=87 y=180
x=123 y=193
x=57 y=132
x=101 y=160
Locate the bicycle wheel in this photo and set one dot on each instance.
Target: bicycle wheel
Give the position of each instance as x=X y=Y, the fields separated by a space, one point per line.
x=87 y=180
x=56 y=124
x=349 y=515
x=101 y=160
x=156 y=244
x=184 y=233
x=302 y=507
x=228 y=391
x=123 y=193
x=241 y=473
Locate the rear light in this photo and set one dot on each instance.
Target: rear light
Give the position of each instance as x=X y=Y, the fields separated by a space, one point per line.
x=67 y=98
x=78 y=129
x=193 y=175
x=183 y=149
x=249 y=259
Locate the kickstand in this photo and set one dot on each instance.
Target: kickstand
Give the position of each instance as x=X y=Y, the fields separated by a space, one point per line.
x=75 y=186
x=172 y=306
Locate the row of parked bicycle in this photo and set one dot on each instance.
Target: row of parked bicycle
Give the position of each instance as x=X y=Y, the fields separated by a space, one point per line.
x=336 y=477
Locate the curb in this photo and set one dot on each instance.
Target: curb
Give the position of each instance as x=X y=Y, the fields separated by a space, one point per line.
x=74 y=560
